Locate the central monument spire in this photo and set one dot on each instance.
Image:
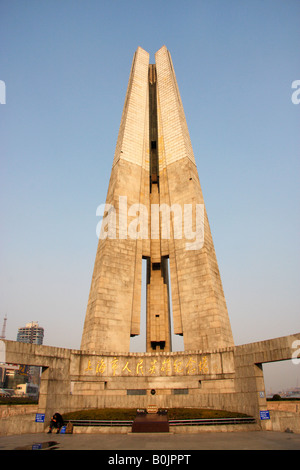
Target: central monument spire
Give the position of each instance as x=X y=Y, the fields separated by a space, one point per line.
x=158 y=303
x=153 y=210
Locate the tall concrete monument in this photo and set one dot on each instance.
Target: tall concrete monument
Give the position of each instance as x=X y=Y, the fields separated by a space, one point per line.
x=154 y=211
x=154 y=175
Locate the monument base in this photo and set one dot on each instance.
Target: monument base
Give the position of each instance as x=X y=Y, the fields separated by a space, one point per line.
x=151 y=423
x=228 y=379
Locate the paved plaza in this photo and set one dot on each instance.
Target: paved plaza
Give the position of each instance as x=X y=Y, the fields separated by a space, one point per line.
x=154 y=442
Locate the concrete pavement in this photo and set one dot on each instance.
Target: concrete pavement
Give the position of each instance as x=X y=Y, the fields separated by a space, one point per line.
x=255 y=440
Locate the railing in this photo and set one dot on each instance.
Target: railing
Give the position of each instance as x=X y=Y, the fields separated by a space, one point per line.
x=99 y=422
x=172 y=422
x=211 y=421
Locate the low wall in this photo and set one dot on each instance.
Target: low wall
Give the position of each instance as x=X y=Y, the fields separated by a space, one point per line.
x=285 y=416
x=290 y=406
x=285 y=421
x=7 y=411
x=14 y=425
x=20 y=419
x=173 y=429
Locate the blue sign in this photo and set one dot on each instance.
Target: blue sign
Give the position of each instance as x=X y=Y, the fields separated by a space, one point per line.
x=40 y=418
x=264 y=414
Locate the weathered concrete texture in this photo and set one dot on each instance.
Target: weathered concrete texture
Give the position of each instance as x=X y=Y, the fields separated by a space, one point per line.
x=20 y=424
x=7 y=411
x=285 y=421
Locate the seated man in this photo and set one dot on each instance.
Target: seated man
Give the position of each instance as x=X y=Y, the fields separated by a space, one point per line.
x=56 y=422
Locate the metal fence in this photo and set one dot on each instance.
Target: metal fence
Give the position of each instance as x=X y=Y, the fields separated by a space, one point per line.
x=172 y=422
x=211 y=421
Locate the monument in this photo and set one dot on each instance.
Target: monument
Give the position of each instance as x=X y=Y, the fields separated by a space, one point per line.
x=154 y=211
x=154 y=173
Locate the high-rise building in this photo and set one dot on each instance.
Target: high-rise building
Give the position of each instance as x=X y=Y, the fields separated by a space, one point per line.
x=31 y=333
x=34 y=334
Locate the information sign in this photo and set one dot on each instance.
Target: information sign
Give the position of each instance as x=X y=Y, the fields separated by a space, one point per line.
x=40 y=418
x=264 y=414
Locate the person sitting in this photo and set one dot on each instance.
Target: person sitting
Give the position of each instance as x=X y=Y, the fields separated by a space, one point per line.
x=56 y=422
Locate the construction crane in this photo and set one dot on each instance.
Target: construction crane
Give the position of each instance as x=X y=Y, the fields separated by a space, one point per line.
x=3 y=328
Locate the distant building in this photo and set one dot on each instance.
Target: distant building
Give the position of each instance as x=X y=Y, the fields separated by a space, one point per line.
x=34 y=334
x=291 y=393
x=13 y=375
x=31 y=333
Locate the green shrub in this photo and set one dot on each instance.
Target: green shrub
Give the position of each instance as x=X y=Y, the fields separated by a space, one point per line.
x=102 y=413
x=130 y=414
x=276 y=397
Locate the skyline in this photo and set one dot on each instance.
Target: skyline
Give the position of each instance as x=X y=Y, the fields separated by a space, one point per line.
x=66 y=68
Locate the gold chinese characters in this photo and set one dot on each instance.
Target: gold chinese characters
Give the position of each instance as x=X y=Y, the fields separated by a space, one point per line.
x=147 y=367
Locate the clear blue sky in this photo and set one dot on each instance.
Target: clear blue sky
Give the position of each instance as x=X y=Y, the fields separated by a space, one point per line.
x=66 y=65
